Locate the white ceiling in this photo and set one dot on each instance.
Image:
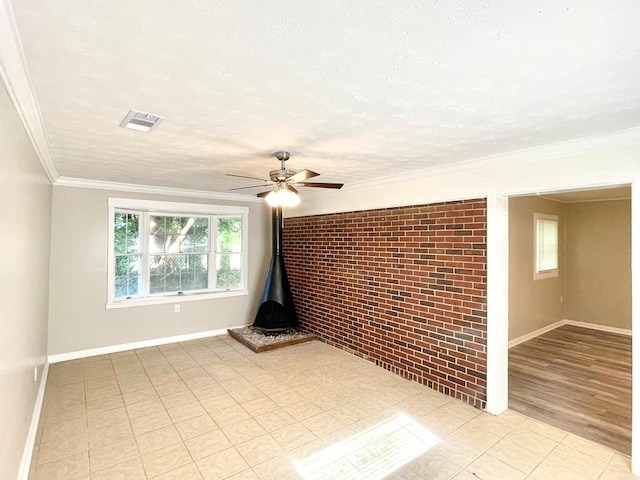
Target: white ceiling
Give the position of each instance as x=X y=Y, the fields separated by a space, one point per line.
x=355 y=90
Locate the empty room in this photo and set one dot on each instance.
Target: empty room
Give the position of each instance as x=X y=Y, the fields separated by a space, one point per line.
x=285 y=240
x=570 y=312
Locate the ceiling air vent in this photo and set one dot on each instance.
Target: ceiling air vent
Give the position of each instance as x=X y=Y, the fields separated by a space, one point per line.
x=141 y=121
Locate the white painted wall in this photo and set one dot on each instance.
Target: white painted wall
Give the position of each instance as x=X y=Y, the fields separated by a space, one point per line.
x=497 y=303
x=25 y=196
x=78 y=318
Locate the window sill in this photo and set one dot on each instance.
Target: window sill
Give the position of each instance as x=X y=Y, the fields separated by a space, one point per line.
x=141 y=302
x=545 y=274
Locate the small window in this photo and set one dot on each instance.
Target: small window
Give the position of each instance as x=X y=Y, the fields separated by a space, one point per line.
x=165 y=252
x=546 y=246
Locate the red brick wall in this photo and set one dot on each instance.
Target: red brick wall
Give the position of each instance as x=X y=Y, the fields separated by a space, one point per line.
x=403 y=287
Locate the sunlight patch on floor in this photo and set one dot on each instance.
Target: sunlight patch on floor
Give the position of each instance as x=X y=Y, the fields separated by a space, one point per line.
x=371 y=454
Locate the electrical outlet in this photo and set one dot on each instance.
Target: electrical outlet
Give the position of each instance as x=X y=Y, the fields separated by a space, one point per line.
x=561 y=298
x=176 y=308
x=35 y=374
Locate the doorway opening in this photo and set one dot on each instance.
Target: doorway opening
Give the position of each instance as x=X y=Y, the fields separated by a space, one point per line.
x=570 y=328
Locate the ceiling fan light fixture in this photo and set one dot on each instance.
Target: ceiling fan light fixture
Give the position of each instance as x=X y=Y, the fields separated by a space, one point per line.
x=282 y=197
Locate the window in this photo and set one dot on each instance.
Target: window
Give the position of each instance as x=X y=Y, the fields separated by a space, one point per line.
x=546 y=246
x=165 y=252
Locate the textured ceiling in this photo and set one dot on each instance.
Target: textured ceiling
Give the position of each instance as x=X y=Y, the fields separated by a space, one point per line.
x=355 y=90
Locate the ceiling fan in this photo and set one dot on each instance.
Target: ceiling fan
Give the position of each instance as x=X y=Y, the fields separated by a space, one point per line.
x=284 y=193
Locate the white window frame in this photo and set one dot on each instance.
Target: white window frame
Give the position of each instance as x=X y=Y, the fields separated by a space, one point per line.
x=543 y=274
x=179 y=209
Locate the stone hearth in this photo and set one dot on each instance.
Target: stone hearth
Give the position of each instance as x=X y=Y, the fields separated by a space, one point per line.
x=259 y=341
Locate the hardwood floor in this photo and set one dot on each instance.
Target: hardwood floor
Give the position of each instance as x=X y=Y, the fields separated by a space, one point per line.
x=576 y=379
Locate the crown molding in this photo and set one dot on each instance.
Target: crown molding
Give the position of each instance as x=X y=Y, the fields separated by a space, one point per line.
x=596 y=200
x=15 y=75
x=620 y=139
x=598 y=161
x=151 y=189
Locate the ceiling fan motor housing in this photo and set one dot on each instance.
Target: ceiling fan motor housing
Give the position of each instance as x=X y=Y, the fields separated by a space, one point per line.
x=280 y=175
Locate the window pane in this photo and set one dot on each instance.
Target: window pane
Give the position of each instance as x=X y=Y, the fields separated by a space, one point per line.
x=195 y=275
x=229 y=234
x=128 y=275
x=196 y=239
x=178 y=273
x=178 y=234
x=228 y=270
x=126 y=233
x=547 y=245
x=160 y=238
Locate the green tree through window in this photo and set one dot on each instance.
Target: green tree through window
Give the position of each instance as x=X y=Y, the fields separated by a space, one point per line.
x=128 y=256
x=228 y=252
x=180 y=253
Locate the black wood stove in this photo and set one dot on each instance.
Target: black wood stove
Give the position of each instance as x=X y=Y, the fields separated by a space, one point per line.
x=276 y=313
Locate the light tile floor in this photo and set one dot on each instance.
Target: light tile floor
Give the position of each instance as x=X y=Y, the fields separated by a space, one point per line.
x=212 y=409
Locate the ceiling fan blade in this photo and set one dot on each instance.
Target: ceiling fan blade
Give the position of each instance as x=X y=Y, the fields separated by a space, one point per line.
x=301 y=176
x=264 y=194
x=242 y=188
x=244 y=176
x=320 y=184
x=291 y=189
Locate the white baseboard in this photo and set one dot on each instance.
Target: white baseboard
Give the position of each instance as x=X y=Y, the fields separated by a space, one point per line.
x=92 y=352
x=535 y=333
x=27 y=454
x=560 y=323
x=595 y=326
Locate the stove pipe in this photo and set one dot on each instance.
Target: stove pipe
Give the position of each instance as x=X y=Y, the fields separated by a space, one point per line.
x=277 y=312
